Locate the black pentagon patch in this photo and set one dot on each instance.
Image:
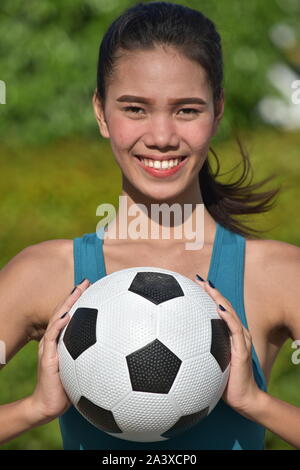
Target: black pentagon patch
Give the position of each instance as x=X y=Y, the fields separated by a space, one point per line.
x=156 y=287
x=185 y=423
x=220 y=343
x=80 y=333
x=153 y=368
x=99 y=417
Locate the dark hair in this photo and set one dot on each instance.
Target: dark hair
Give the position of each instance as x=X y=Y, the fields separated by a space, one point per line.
x=146 y=25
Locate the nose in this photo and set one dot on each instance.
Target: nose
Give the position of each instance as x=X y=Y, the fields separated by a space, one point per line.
x=162 y=133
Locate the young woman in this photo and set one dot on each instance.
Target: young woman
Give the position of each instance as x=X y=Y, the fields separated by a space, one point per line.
x=159 y=97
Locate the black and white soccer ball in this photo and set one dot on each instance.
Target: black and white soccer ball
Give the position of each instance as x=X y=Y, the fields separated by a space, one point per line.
x=145 y=355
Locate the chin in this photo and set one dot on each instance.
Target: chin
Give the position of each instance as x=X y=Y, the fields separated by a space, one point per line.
x=159 y=191
x=162 y=196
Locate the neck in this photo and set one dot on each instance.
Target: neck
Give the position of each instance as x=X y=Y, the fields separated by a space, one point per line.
x=162 y=223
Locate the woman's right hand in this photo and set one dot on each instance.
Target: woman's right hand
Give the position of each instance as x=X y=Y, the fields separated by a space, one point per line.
x=49 y=399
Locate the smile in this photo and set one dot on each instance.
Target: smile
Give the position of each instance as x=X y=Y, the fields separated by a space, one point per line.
x=161 y=168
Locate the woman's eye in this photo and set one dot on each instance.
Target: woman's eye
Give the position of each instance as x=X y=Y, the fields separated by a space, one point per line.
x=193 y=111
x=136 y=109
x=132 y=109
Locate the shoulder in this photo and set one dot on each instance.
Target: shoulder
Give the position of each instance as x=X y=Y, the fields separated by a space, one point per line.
x=43 y=257
x=37 y=279
x=57 y=252
x=278 y=269
x=43 y=261
x=275 y=257
x=277 y=252
x=52 y=267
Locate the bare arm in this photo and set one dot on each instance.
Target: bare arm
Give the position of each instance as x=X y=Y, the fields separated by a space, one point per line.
x=25 y=308
x=32 y=284
x=16 y=418
x=276 y=415
x=242 y=392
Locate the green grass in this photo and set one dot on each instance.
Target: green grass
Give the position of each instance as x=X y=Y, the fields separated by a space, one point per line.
x=53 y=192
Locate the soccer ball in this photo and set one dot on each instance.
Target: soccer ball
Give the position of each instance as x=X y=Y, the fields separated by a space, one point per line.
x=145 y=355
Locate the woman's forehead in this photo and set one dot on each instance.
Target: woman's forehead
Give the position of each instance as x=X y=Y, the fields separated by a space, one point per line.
x=156 y=57
x=145 y=70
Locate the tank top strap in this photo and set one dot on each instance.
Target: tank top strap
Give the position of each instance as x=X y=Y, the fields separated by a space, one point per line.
x=227 y=274
x=88 y=257
x=227 y=268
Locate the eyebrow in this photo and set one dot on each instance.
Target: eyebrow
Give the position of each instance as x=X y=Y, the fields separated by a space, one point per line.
x=140 y=99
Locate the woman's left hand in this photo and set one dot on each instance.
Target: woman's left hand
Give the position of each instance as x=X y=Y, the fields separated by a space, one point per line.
x=241 y=390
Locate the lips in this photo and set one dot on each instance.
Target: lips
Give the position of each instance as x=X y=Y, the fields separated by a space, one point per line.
x=161 y=158
x=160 y=173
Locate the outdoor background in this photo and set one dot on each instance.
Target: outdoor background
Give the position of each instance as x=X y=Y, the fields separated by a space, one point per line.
x=55 y=168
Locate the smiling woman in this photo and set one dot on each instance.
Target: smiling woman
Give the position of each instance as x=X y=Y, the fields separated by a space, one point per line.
x=183 y=64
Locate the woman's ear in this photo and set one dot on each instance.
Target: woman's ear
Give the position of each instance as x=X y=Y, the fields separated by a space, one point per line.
x=219 y=111
x=100 y=116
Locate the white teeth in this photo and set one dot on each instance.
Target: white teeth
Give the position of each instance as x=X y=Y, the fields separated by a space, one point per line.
x=161 y=165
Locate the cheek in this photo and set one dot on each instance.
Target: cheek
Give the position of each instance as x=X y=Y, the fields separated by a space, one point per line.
x=198 y=133
x=122 y=133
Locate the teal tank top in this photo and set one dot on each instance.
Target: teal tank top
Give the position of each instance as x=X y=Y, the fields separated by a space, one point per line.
x=223 y=428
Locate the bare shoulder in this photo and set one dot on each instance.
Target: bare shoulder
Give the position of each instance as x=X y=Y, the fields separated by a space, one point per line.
x=44 y=262
x=51 y=265
x=277 y=267
x=32 y=284
x=274 y=256
x=57 y=252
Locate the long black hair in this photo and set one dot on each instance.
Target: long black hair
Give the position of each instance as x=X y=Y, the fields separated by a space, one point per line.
x=143 y=27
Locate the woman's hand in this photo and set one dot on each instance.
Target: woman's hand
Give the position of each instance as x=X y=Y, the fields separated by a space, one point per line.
x=49 y=399
x=241 y=390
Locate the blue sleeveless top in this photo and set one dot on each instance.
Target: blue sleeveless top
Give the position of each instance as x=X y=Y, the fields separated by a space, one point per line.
x=223 y=428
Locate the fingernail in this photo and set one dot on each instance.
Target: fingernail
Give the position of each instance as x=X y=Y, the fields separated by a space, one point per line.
x=64 y=315
x=82 y=280
x=211 y=284
x=199 y=278
x=222 y=308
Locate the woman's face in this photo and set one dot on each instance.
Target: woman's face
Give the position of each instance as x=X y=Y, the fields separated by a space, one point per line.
x=158 y=128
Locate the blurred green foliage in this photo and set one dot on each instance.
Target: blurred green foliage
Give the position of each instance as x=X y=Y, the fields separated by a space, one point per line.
x=49 y=52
